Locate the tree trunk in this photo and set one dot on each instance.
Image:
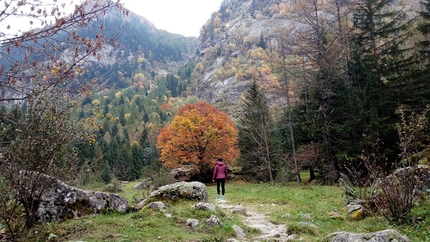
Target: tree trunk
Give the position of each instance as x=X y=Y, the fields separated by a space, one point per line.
x=311 y=173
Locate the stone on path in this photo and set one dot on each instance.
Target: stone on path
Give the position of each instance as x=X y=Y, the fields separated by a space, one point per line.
x=381 y=236
x=268 y=230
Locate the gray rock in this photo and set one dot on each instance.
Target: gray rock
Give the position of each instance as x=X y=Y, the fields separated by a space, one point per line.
x=214 y=221
x=292 y=237
x=389 y=235
x=62 y=201
x=156 y=206
x=101 y=201
x=184 y=173
x=195 y=191
x=307 y=225
x=240 y=234
x=192 y=223
x=206 y=207
x=142 y=185
x=239 y=211
x=307 y=216
x=421 y=173
x=351 y=208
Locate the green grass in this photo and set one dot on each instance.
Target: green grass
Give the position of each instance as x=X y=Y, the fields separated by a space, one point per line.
x=146 y=225
x=286 y=204
x=282 y=204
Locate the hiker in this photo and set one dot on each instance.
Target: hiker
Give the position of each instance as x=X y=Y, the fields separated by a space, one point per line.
x=220 y=175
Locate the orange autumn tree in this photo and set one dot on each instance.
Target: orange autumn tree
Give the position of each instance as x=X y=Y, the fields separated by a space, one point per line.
x=198 y=135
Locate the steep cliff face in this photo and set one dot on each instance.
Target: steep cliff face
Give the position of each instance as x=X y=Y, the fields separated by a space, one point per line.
x=231 y=44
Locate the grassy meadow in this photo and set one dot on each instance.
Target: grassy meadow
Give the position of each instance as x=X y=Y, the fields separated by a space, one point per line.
x=285 y=204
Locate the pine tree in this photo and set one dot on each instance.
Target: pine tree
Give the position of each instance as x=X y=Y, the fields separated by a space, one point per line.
x=257 y=139
x=419 y=84
x=378 y=68
x=106 y=173
x=424 y=28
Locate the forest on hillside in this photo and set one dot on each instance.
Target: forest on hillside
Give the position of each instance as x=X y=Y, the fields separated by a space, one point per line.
x=128 y=122
x=349 y=89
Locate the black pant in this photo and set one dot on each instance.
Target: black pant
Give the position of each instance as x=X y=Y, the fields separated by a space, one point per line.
x=222 y=183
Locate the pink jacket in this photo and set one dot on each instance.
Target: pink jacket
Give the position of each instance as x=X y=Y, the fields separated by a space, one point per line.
x=220 y=171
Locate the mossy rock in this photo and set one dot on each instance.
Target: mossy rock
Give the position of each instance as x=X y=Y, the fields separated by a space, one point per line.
x=194 y=191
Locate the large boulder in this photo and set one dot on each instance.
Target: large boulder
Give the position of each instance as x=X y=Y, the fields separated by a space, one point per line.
x=380 y=236
x=145 y=184
x=62 y=201
x=184 y=173
x=421 y=174
x=194 y=191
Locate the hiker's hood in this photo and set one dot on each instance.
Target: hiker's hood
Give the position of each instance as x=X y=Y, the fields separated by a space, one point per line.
x=219 y=163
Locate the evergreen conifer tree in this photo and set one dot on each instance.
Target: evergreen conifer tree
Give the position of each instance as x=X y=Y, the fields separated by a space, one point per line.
x=257 y=139
x=378 y=69
x=419 y=80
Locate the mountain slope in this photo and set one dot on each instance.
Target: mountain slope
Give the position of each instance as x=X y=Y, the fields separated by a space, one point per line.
x=237 y=44
x=141 y=46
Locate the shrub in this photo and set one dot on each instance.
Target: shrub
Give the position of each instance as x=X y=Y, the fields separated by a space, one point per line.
x=164 y=178
x=114 y=187
x=398 y=193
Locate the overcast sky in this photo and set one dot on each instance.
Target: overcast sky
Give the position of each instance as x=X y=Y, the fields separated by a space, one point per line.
x=184 y=17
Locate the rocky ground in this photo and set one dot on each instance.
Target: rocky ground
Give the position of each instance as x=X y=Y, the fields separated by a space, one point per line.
x=268 y=230
x=271 y=232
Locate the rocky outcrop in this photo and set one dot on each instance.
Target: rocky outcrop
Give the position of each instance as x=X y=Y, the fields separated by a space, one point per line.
x=421 y=173
x=381 y=236
x=195 y=191
x=184 y=173
x=224 y=50
x=234 y=46
x=62 y=201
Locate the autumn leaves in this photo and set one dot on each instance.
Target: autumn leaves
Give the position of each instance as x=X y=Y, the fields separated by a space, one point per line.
x=198 y=134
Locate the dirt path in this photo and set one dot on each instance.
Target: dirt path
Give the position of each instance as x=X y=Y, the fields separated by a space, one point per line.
x=253 y=219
